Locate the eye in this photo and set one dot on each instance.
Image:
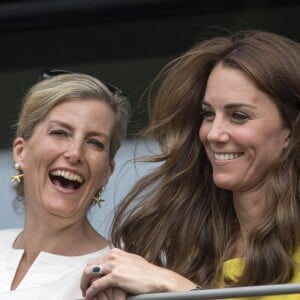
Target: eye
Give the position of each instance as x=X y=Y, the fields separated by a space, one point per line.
x=58 y=132
x=207 y=114
x=240 y=117
x=96 y=143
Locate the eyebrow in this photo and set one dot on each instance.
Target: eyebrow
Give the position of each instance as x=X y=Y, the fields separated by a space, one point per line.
x=69 y=127
x=232 y=105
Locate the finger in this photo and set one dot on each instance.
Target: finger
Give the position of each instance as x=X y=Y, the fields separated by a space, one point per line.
x=109 y=293
x=99 y=284
x=108 y=261
x=100 y=296
x=90 y=273
x=112 y=294
x=97 y=270
x=119 y=294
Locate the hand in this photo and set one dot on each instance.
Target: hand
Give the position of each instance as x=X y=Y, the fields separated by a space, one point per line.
x=110 y=294
x=130 y=273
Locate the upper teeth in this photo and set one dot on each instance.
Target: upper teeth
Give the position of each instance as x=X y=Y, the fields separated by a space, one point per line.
x=226 y=156
x=67 y=175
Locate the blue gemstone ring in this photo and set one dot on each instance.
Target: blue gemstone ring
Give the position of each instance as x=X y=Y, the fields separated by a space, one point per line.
x=97 y=270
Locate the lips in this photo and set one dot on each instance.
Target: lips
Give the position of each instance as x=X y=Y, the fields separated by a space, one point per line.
x=66 y=179
x=227 y=156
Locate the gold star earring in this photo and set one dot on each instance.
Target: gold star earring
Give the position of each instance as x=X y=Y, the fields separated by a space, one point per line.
x=18 y=177
x=97 y=200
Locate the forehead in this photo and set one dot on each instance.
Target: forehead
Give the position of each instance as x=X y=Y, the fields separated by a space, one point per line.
x=92 y=114
x=223 y=78
x=226 y=84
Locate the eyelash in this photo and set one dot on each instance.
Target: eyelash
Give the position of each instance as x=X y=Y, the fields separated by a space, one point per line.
x=240 y=116
x=62 y=133
x=58 y=132
x=237 y=116
x=207 y=114
x=96 y=143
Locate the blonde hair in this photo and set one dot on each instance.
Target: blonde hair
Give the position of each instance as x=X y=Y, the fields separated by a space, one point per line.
x=46 y=94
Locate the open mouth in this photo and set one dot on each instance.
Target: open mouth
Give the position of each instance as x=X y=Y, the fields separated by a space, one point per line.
x=66 y=180
x=227 y=156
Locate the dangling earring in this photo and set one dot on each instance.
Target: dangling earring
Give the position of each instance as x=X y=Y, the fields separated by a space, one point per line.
x=97 y=199
x=18 y=177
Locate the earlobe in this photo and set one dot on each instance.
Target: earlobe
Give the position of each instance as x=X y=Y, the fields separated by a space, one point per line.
x=18 y=151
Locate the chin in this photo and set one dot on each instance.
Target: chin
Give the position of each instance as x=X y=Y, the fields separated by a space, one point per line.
x=224 y=184
x=63 y=212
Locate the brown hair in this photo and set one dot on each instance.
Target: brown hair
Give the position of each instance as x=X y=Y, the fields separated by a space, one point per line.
x=176 y=216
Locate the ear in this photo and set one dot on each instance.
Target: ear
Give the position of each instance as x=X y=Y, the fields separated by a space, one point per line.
x=286 y=137
x=19 y=151
x=110 y=170
x=112 y=166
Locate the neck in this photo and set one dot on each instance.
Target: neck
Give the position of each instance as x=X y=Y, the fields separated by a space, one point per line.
x=69 y=240
x=248 y=206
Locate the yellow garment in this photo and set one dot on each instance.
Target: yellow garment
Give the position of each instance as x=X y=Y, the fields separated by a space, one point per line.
x=233 y=268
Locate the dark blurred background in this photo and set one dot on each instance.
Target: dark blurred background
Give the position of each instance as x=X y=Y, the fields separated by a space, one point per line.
x=124 y=42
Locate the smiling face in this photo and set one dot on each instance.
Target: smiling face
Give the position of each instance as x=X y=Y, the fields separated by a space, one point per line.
x=242 y=130
x=67 y=158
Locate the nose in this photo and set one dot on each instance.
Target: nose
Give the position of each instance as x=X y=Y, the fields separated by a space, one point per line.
x=218 y=131
x=74 y=153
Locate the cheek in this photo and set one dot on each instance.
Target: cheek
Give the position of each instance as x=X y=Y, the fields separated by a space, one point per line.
x=99 y=163
x=97 y=159
x=93 y=157
x=203 y=130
